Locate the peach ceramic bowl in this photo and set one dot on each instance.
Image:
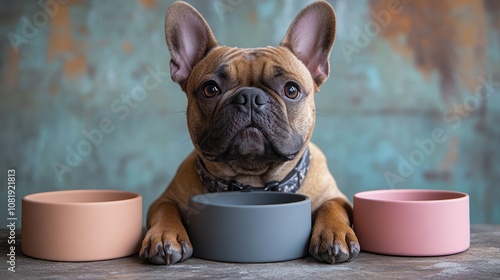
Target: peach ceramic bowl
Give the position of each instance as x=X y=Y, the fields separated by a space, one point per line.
x=81 y=225
x=412 y=222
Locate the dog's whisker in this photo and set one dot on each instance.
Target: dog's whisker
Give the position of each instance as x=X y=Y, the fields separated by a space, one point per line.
x=323 y=115
x=181 y=143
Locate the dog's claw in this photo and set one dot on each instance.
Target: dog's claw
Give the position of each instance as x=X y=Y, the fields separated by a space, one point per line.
x=327 y=257
x=354 y=249
x=156 y=259
x=172 y=256
x=168 y=248
x=186 y=250
x=144 y=254
x=160 y=250
x=340 y=255
x=315 y=252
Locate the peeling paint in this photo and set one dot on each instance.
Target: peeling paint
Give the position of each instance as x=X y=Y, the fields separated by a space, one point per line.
x=446 y=36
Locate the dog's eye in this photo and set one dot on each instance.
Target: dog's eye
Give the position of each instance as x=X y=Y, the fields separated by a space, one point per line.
x=210 y=90
x=291 y=90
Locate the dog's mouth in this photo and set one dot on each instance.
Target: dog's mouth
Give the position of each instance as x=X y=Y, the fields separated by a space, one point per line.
x=250 y=144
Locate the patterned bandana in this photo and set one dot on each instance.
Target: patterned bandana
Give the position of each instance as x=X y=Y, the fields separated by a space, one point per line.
x=291 y=183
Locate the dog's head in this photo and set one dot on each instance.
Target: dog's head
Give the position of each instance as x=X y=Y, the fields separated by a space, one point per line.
x=250 y=107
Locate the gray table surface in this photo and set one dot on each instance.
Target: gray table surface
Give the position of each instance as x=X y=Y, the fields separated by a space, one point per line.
x=480 y=261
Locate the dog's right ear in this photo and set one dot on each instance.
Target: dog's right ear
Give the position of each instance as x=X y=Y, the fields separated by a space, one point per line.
x=310 y=37
x=189 y=39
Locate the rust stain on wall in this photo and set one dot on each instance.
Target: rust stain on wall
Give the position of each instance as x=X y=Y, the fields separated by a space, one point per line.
x=127 y=47
x=12 y=69
x=447 y=36
x=451 y=157
x=62 y=45
x=75 y=66
x=60 y=40
x=148 y=3
x=252 y=16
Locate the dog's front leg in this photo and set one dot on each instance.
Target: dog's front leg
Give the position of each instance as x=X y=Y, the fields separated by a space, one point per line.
x=333 y=239
x=166 y=241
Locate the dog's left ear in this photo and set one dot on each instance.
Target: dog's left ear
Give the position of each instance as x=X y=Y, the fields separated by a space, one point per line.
x=310 y=37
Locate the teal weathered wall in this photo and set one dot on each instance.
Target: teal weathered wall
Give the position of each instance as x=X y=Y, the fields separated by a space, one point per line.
x=413 y=100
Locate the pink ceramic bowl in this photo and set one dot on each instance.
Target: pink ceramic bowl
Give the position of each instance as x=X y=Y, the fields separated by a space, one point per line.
x=412 y=222
x=81 y=225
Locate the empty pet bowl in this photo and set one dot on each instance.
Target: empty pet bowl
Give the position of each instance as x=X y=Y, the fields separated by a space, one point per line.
x=249 y=226
x=412 y=222
x=81 y=225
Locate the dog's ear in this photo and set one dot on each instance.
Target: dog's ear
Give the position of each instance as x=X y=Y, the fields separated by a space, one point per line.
x=310 y=37
x=189 y=39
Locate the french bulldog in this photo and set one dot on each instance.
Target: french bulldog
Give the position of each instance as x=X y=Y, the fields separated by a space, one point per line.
x=250 y=115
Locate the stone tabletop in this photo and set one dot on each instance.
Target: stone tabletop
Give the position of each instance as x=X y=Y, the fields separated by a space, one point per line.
x=480 y=261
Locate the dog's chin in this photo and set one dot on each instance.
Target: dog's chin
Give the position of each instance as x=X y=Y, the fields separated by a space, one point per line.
x=250 y=144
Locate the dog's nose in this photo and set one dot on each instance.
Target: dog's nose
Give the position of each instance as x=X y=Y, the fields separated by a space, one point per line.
x=250 y=98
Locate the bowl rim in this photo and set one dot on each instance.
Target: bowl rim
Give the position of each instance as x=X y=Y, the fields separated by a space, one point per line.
x=368 y=196
x=305 y=199
x=34 y=197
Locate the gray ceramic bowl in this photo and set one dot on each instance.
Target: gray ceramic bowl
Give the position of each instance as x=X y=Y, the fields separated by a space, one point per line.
x=249 y=226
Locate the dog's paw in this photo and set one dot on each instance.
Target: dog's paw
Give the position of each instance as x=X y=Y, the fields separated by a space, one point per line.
x=333 y=245
x=165 y=247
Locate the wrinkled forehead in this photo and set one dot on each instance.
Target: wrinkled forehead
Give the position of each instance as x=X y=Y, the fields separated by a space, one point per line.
x=251 y=66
